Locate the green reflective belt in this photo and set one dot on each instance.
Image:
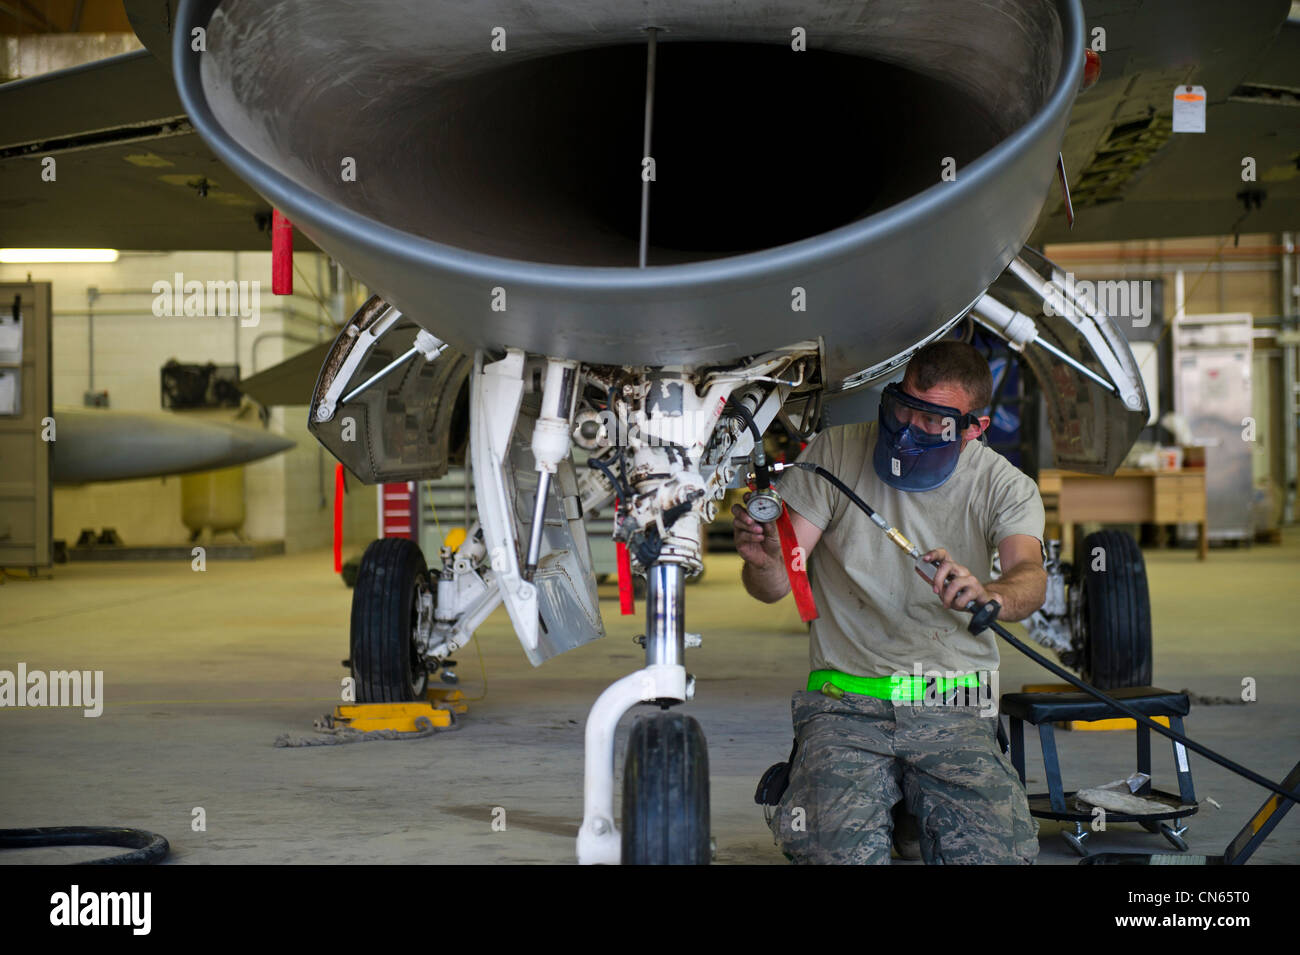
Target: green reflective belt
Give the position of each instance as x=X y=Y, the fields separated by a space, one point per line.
x=898 y=687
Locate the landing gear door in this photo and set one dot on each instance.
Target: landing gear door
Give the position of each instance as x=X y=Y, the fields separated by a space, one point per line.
x=1092 y=428
x=558 y=610
x=410 y=424
x=568 y=608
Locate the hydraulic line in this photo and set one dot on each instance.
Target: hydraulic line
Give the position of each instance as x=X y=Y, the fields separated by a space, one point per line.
x=619 y=440
x=620 y=489
x=738 y=409
x=984 y=617
x=764 y=504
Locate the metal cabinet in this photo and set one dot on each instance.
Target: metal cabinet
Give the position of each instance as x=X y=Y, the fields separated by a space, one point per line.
x=1212 y=391
x=27 y=426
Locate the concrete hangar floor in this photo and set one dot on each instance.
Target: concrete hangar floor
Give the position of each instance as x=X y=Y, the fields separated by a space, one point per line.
x=203 y=672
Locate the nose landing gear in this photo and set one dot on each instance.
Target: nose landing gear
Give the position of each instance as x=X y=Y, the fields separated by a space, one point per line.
x=665 y=812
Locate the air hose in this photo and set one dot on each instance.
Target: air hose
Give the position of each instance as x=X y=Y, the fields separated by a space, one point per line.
x=985 y=617
x=148 y=848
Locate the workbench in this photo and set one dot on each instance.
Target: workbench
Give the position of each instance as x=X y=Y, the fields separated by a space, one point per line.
x=1129 y=496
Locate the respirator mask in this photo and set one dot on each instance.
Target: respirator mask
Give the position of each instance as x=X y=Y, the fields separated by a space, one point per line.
x=919 y=442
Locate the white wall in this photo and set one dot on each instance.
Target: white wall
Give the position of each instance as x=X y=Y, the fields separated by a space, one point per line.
x=131 y=343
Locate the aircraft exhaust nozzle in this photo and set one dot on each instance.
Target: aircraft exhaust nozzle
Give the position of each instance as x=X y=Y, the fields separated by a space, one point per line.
x=855 y=171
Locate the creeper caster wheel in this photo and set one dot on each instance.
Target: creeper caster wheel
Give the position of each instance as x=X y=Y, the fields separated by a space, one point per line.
x=1077 y=839
x=1174 y=836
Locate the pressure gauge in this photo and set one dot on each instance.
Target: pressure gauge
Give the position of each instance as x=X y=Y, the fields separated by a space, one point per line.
x=764 y=506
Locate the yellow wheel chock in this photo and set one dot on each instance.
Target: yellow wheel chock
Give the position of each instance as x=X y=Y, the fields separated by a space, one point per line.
x=440 y=709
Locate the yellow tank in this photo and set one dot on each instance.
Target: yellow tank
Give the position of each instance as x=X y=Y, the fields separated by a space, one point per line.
x=213 y=501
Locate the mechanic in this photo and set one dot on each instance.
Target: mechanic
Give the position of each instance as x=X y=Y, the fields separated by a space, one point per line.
x=869 y=735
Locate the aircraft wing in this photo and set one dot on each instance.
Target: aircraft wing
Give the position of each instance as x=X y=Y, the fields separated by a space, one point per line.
x=1131 y=177
x=291 y=381
x=129 y=172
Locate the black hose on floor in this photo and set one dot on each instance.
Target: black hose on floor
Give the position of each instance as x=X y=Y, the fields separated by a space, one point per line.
x=148 y=848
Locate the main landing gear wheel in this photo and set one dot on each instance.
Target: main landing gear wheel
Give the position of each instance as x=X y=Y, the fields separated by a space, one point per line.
x=666 y=792
x=386 y=616
x=1113 y=611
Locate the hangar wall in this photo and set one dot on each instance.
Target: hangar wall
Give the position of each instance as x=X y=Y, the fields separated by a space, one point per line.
x=288 y=496
x=1218 y=276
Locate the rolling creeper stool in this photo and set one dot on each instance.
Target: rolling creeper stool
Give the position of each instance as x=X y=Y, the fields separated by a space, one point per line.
x=1044 y=709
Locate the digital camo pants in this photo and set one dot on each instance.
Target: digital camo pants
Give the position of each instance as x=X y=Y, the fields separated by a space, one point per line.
x=859 y=755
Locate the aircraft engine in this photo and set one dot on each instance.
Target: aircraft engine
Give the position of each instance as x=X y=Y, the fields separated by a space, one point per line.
x=854 y=172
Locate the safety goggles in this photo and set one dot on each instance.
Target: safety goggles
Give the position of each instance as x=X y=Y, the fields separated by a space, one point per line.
x=930 y=425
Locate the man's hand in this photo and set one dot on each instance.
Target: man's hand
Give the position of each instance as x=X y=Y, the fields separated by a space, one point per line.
x=763 y=572
x=955 y=585
x=1020 y=590
x=758 y=544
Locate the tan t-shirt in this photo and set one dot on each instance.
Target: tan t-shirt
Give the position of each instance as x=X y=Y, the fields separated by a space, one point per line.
x=877 y=617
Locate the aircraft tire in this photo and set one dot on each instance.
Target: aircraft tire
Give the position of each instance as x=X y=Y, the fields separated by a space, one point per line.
x=666 y=792
x=1116 y=611
x=385 y=662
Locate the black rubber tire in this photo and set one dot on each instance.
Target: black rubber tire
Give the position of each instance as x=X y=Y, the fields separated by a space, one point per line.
x=385 y=664
x=1117 y=607
x=666 y=792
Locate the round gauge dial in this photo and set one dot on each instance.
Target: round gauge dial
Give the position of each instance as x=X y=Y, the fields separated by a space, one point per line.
x=764 y=506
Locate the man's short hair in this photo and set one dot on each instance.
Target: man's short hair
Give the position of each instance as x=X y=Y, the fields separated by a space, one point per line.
x=954 y=363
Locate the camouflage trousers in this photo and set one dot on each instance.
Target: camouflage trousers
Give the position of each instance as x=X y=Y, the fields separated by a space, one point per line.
x=859 y=755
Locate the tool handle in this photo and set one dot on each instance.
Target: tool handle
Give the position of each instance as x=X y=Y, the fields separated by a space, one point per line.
x=982 y=614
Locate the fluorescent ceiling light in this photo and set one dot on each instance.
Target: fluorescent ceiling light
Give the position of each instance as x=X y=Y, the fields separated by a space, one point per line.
x=57 y=255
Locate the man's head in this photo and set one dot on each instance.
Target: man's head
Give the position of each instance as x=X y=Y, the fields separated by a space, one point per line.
x=955 y=375
x=927 y=420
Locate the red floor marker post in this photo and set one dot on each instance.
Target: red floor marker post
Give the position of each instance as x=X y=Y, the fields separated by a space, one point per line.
x=281 y=254
x=338 y=518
